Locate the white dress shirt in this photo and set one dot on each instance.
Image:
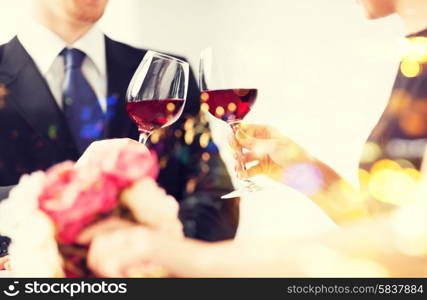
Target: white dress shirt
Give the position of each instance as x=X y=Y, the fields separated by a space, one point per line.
x=44 y=47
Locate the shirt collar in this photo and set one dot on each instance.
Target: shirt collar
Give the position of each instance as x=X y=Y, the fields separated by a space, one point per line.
x=44 y=46
x=34 y=37
x=93 y=45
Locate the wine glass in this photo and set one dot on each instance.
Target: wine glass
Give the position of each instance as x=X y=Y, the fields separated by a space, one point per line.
x=157 y=93
x=225 y=102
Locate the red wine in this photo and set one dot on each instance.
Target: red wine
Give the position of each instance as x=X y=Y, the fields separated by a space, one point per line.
x=229 y=105
x=153 y=114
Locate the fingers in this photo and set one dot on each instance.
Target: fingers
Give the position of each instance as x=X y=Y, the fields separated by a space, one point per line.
x=99 y=260
x=109 y=225
x=244 y=139
x=100 y=149
x=259 y=154
x=150 y=204
x=234 y=144
x=111 y=253
x=260 y=131
x=109 y=144
x=259 y=138
x=243 y=159
x=255 y=170
x=241 y=138
x=264 y=141
x=260 y=142
x=268 y=168
x=250 y=157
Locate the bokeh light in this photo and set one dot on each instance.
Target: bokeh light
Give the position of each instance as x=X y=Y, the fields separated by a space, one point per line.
x=371 y=152
x=392 y=184
x=410 y=68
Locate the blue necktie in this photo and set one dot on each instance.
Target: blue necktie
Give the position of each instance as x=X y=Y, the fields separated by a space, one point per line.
x=82 y=111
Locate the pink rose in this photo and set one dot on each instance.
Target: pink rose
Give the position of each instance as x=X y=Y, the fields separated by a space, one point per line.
x=123 y=160
x=132 y=164
x=74 y=196
x=73 y=200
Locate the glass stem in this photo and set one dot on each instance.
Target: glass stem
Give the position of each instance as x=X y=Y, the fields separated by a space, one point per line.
x=143 y=136
x=235 y=126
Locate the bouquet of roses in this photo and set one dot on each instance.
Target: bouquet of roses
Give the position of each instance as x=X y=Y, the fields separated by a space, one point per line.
x=47 y=214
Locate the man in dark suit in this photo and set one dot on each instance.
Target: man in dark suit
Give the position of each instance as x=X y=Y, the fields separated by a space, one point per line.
x=60 y=54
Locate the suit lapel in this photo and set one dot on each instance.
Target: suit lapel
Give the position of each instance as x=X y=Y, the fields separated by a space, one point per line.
x=30 y=94
x=122 y=61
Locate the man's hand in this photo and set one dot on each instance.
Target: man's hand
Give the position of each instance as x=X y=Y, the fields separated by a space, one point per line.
x=98 y=150
x=268 y=151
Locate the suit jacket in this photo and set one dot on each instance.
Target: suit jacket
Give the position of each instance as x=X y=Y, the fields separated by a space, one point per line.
x=34 y=136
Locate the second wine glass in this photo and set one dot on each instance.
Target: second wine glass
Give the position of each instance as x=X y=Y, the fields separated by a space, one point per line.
x=157 y=93
x=227 y=96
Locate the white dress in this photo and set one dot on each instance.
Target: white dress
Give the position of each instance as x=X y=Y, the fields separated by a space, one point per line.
x=279 y=211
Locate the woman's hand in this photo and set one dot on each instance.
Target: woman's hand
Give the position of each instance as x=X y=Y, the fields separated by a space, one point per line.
x=152 y=207
x=105 y=226
x=268 y=151
x=119 y=248
x=125 y=252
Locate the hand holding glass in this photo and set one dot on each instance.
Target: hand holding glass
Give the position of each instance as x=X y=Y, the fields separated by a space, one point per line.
x=228 y=104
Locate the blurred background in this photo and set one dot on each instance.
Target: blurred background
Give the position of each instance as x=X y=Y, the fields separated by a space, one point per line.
x=323 y=71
